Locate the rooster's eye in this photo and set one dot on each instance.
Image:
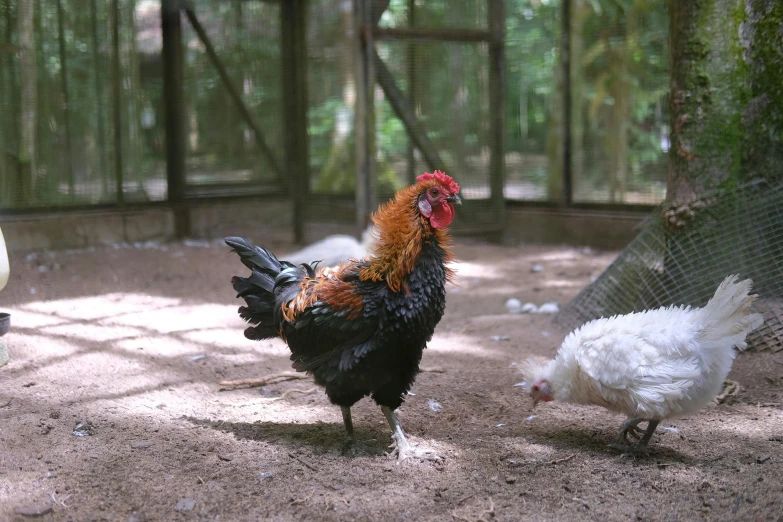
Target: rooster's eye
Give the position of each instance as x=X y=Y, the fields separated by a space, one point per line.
x=433 y=192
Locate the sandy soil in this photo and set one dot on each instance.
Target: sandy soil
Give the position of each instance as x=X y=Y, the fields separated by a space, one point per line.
x=135 y=341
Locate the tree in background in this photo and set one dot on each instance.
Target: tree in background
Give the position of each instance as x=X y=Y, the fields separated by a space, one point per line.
x=726 y=99
x=26 y=171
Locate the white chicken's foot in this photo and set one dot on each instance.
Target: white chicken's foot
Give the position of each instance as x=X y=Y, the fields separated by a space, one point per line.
x=639 y=448
x=402 y=446
x=630 y=426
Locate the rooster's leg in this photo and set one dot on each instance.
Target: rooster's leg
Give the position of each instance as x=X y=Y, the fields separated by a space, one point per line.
x=356 y=447
x=403 y=447
x=348 y=422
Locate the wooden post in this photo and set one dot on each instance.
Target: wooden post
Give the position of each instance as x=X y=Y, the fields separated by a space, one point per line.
x=364 y=114
x=568 y=191
x=171 y=25
x=116 y=88
x=293 y=23
x=497 y=83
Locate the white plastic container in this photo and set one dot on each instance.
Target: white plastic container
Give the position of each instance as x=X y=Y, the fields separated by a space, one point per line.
x=5 y=269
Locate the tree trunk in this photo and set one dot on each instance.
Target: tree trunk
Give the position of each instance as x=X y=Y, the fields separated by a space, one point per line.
x=136 y=102
x=27 y=105
x=707 y=88
x=620 y=91
x=554 y=141
x=98 y=65
x=761 y=38
x=579 y=13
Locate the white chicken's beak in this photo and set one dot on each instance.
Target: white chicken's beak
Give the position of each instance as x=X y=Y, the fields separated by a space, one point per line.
x=5 y=268
x=535 y=402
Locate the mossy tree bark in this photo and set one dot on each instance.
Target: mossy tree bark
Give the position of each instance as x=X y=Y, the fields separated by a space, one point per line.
x=726 y=98
x=761 y=38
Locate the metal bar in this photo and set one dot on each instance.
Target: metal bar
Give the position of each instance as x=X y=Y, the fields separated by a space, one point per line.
x=497 y=97
x=116 y=84
x=568 y=190
x=293 y=36
x=64 y=86
x=431 y=35
x=171 y=26
x=232 y=91
x=405 y=113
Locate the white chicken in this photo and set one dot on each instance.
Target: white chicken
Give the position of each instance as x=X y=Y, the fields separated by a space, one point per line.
x=651 y=365
x=333 y=250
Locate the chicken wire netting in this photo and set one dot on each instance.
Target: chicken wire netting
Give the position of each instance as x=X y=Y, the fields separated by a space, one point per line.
x=91 y=129
x=738 y=231
x=224 y=154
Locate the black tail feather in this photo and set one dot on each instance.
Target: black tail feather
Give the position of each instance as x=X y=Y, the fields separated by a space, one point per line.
x=257 y=290
x=256 y=258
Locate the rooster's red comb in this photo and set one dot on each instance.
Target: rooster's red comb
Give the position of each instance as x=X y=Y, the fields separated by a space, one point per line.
x=442 y=178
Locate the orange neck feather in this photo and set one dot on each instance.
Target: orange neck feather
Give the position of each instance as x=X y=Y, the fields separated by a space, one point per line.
x=402 y=232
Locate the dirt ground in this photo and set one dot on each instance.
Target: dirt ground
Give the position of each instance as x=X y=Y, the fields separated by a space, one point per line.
x=135 y=340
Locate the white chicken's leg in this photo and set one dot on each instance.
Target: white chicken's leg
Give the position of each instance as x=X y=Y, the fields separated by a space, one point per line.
x=651 y=426
x=630 y=426
x=402 y=447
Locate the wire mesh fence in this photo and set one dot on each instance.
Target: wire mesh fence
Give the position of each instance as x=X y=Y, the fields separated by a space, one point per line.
x=738 y=231
x=93 y=72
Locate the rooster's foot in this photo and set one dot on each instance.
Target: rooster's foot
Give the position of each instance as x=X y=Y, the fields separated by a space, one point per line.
x=402 y=447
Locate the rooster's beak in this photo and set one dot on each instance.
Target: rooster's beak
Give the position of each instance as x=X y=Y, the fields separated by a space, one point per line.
x=454 y=199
